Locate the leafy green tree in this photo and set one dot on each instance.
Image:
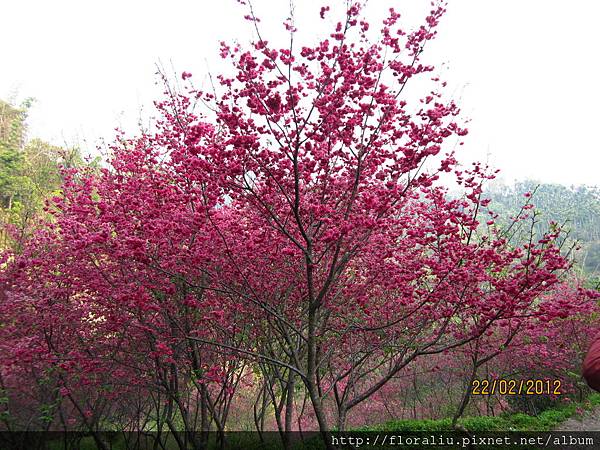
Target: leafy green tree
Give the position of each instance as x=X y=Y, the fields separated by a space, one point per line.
x=30 y=172
x=12 y=137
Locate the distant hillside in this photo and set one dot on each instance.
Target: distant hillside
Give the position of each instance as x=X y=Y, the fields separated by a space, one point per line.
x=578 y=207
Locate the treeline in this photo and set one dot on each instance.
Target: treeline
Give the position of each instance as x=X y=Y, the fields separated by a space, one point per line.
x=30 y=172
x=575 y=208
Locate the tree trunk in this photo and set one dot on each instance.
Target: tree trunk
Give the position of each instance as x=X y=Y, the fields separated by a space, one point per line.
x=466 y=396
x=289 y=410
x=342 y=418
x=320 y=414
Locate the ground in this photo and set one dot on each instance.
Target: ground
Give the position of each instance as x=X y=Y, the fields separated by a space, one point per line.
x=590 y=421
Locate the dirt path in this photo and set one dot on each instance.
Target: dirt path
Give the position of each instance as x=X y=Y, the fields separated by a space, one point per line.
x=590 y=421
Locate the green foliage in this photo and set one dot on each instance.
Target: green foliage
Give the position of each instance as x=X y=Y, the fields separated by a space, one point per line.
x=4 y=412
x=30 y=172
x=12 y=135
x=546 y=420
x=577 y=208
x=47 y=412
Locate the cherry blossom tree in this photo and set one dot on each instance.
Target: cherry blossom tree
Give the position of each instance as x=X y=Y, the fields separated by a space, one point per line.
x=298 y=226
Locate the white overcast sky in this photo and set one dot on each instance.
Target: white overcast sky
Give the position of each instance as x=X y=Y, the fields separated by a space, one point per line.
x=525 y=72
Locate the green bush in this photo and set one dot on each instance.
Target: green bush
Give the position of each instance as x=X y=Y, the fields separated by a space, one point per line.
x=546 y=420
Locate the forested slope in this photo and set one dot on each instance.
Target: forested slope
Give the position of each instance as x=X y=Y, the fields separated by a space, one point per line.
x=577 y=208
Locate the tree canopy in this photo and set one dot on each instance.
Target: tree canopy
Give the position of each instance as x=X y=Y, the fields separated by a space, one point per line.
x=285 y=232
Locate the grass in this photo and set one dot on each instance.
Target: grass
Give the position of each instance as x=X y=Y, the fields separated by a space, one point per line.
x=545 y=421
